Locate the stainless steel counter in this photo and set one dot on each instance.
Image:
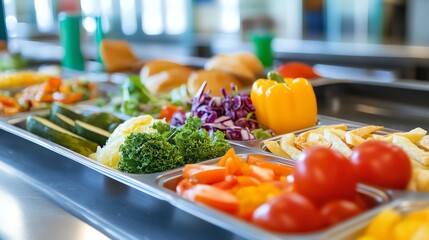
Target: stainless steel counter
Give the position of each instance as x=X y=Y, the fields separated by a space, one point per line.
x=27 y=213
x=44 y=195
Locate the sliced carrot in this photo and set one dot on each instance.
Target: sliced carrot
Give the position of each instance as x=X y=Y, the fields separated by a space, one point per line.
x=205 y=174
x=8 y=101
x=279 y=169
x=51 y=85
x=44 y=97
x=229 y=154
x=229 y=183
x=262 y=174
x=67 y=98
x=246 y=181
x=184 y=185
x=233 y=165
x=245 y=170
x=11 y=110
x=66 y=89
x=213 y=197
x=255 y=159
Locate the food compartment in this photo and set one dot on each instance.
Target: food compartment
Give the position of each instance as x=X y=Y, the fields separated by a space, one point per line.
x=340 y=128
x=371 y=197
x=395 y=105
x=400 y=219
x=39 y=91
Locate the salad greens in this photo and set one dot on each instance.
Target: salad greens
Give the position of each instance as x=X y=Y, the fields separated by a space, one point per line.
x=168 y=147
x=137 y=99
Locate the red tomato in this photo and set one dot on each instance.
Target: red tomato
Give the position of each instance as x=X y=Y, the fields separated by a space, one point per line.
x=337 y=211
x=213 y=197
x=382 y=164
x=205 y=174
x=296 y=70
x=167 y=112
x=363 y=203
x=323 y=174
x=289 y=212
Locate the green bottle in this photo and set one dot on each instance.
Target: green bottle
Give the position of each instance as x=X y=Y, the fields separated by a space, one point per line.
x=3 y=30
x=262 y=47
x=70 y=41
x=99 y=36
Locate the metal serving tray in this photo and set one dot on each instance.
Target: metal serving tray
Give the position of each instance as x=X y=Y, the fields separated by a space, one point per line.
x=322 y=120
x=89 y=105
x=398 y=105
x=403 y=206
x=260 y=146
x=161 y=185
x=169 y=180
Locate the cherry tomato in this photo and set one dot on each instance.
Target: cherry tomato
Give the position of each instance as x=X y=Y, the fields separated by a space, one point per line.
x=296 y=70
x=213 y=197
x=323 y=174
x=382 y=164
x=289 y=212
x=167 y=112
x=337 y=211
x=364 y=202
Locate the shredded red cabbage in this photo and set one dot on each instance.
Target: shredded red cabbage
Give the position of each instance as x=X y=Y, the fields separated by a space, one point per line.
x=232 y=114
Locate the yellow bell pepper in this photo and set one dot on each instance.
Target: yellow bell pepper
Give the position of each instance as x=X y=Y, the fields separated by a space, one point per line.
x=284 y=105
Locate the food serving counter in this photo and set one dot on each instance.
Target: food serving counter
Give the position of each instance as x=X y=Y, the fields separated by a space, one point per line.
x=80 y=202
x=46 y=196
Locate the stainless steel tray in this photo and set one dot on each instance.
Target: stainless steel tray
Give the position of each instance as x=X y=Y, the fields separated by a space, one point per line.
x=322 y=120
x=160 y=185
x=399 y=105
x=404 y=205
x=169 y=180
x=258 y=145
x=82 y=106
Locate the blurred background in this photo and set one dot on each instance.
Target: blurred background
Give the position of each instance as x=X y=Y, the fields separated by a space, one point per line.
x=378 y=39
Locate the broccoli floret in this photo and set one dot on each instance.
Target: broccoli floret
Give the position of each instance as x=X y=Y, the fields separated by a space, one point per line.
x=148 y=153
x=195 y=144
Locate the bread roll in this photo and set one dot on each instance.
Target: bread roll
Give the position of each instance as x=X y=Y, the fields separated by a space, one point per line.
x=117 y=55
x=157 y=66
x=215 y=81
x=250 y=61
x=166 y=80
x=231 y=65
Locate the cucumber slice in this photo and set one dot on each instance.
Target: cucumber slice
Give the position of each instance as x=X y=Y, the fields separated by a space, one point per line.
x=46 y=129
x=91 y=132
x=65 y=110
x=102 y=120
x=63 y=121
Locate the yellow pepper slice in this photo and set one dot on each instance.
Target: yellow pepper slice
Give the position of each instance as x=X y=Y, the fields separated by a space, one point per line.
x=284 y=107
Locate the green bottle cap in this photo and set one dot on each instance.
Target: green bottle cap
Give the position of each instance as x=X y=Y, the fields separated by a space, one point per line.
x=70 y=40
x=262 y=47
